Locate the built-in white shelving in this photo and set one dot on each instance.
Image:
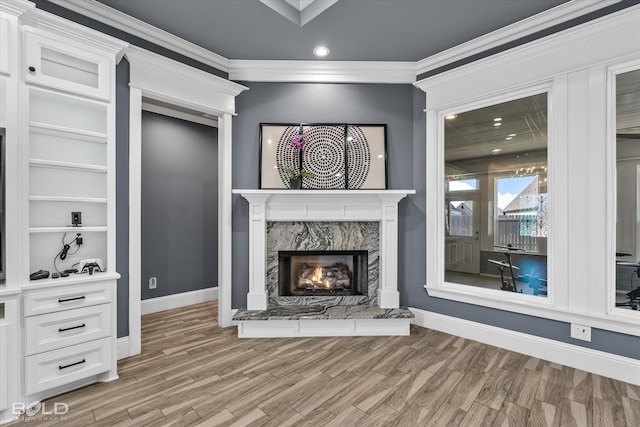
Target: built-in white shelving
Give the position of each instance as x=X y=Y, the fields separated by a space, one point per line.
x=66 y=132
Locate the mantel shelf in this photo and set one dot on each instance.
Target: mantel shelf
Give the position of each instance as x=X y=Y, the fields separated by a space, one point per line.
x=312 y=192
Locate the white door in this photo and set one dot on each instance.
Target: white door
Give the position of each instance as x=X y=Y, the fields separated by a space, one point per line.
x=462 y=233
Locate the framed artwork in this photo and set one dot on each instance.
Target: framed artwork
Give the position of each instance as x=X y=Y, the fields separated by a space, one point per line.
x=323 y=156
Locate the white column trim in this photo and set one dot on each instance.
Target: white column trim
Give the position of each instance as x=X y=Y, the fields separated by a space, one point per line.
x=225 y=220
x=135 y=219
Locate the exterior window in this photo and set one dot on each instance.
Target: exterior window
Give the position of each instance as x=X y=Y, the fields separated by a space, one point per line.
x=521 y=212
x=496 y=201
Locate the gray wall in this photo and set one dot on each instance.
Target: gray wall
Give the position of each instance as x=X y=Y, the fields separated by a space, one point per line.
x=179 y=205
x=319 y=103
x=401 y=107
x=122 y=195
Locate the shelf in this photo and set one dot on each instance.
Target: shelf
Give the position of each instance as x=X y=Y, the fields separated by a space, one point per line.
x=67 y=165
x=73 y=279
x=66 y=132
x=67 y=229
x=68 y=199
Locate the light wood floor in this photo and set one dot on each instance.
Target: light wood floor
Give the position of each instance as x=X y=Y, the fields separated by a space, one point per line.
x=193 y=373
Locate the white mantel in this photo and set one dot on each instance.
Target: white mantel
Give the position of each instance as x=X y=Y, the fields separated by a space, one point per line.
x=323 y=205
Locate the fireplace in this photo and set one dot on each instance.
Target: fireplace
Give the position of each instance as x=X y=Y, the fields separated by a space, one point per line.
x=323 y=273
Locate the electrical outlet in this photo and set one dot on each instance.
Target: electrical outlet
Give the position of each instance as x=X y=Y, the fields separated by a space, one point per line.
x=76 y=219
x=581 y=332
x=153 y=283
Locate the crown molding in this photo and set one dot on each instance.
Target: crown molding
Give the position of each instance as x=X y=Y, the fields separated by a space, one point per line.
x=16 y=8
x=40 y=19
x=332 y=71
x=323 y=71
x=150 y=33
x=525 y=27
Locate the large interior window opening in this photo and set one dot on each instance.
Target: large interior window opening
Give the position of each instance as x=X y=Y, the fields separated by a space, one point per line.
x=496 y=200
x=628 y=190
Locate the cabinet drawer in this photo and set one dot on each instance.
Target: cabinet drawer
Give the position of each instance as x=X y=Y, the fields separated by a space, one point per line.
x=64 y=328
x=67 y=297
x=58 y=367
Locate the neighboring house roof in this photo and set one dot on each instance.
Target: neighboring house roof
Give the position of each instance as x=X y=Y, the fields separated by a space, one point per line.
x=526 y=201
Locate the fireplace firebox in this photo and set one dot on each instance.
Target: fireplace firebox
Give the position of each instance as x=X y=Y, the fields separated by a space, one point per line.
x=322 y=273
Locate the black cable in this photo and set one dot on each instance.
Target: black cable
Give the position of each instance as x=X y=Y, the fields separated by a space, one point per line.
x=65 y=250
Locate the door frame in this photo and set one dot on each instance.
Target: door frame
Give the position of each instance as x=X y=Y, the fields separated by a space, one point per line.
x=172 y=83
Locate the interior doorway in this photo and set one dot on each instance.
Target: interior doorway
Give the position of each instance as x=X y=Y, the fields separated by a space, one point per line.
x=179 y=259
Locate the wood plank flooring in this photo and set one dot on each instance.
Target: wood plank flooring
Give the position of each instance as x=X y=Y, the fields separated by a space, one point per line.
x=193 y=373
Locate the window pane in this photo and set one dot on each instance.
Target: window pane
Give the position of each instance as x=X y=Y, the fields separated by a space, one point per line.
x=628 y=177
x=496 y=196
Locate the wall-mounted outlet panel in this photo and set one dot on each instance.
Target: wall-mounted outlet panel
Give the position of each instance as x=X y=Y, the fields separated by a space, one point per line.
x=153 y=282
x=581 y=332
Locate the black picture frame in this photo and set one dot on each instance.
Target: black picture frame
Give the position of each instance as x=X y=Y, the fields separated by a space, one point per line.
x=339 y=155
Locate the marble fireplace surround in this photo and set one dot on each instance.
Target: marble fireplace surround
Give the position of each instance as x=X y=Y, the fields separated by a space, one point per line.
x=300 y=206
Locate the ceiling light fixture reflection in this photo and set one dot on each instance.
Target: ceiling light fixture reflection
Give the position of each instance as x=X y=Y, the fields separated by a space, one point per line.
x=321 y=51
x=450 y=116
x=497 y=119
x=512 y=135
x=496 y=150
x=497 y=124
x=509 y=138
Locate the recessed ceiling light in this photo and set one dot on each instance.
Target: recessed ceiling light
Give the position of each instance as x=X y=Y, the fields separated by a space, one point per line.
x=497 y=119
x=321 y=51
x=497 y=124
x=496 y=150
x=451 y=116
x=512 y=134
x=509 y=138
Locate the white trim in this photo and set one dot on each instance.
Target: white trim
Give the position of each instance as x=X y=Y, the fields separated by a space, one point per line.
x=150 y=33
x=158 y=78
x=182 y=115
x=290 y=328
x=525 y=27
x=598 y=362
x=323 y=71
x=154 y=305
x=123 y=349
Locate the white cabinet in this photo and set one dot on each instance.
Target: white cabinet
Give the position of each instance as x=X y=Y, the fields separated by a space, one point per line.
x=4 y=363
x=68 y=333
x=67 y=64
x=67 y=160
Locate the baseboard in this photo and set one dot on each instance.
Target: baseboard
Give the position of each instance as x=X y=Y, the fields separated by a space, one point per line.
x=153 y=305
x=594 y=361
x=122 y=348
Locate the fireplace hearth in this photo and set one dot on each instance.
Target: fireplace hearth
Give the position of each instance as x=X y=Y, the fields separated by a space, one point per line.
x=322 y=273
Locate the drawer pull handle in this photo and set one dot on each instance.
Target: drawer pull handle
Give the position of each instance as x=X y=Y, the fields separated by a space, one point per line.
x=71 y=299
x=73 y=327
x=71 y=364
